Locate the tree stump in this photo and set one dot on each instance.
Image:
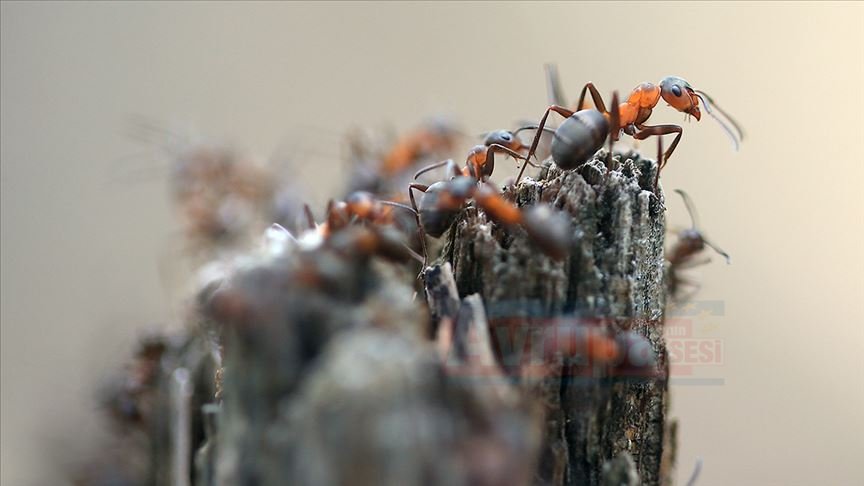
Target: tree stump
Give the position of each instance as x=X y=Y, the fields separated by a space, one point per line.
x=613 y=277
x=317 y=367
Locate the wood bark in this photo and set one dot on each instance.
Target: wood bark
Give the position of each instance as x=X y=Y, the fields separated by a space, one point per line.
x=613 y=277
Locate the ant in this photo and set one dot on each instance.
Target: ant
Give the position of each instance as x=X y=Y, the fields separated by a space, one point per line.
x=434 y=137
x=690 y=242
x=480 y=162
x=443 y=200
x=375 y=235
x=130 y=399
x=584 y=130
x=626 y=352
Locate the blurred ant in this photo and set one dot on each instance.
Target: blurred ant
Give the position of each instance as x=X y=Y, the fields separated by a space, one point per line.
x=625 y=352
x=374 y=216
x=433 y=138
x=129 y=399
x=691 y=241
x=584 y=130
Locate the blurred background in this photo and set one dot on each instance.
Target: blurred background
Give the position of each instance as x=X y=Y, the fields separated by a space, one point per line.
x=88 y=231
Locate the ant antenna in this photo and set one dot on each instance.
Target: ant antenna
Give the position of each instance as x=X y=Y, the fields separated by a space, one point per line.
x=718 y=250
x=694 y=218
x=433 y=167
x=695 y=474
x=691 y=208
x=736 y=135
x=422 y=259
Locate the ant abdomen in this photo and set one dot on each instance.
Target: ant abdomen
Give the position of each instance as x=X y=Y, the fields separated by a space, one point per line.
x=549 y=229
x=579 y=138
x=441 y=203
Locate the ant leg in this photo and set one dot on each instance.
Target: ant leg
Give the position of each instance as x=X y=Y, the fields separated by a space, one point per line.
x=310 y=219
x=546 y=130
x=452 y=168
x=422 y=188
x=647 y=131
x=657 y=176
x=553 y=86
x=659 y=130
x=614 y=128
x=694 y=289
x=595 y=95
x=694 y=262
x=557 y=109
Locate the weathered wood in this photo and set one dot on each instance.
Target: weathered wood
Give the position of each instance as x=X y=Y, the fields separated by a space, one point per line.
x=336 y=383
x=613 y=277
x=319 y=367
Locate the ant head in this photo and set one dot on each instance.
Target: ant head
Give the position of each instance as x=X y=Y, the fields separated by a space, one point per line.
x=361 y=204
x=679 y=94
x=502 y=137
x=692 y=240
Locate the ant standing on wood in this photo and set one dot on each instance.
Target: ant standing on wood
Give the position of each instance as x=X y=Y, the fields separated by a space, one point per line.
x=443 y=200
x=584 y=130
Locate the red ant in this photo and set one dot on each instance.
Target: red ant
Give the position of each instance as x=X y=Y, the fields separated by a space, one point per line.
x=434 y=137
x=625 y=352
x=442 y=201
x=480 y=162
x=690 y=242
x=584 y=130
x=376 y=218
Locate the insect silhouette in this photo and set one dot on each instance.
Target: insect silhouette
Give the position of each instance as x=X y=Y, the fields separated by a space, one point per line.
x=691 y=242
x=584 y=130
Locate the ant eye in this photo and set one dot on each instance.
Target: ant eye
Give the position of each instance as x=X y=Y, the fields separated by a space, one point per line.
x=505 y=136
x=676 y=90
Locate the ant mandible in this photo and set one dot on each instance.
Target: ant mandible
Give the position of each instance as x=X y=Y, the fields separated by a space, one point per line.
x=584 y=130
x=691 y=241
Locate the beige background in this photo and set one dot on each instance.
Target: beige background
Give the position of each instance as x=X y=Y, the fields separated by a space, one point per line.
x=82 y=242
